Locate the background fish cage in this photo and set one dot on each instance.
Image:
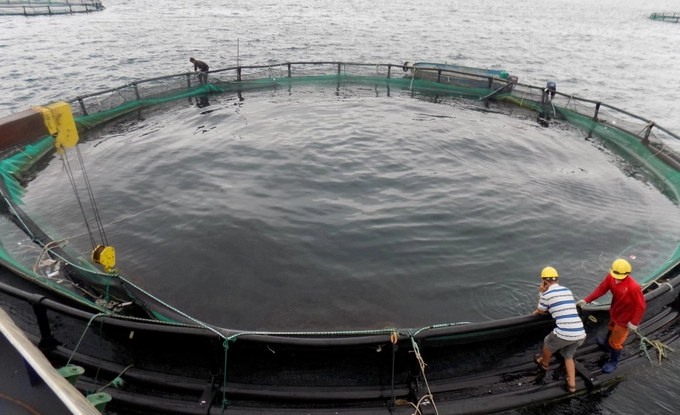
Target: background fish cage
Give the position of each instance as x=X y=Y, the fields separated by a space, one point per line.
x=48 y=7
x=666 y=17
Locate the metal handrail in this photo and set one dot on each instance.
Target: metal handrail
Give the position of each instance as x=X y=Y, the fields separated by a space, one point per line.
x=389 y=66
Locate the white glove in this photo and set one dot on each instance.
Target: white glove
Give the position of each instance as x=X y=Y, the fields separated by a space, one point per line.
x=632 y=326
x=581 y=303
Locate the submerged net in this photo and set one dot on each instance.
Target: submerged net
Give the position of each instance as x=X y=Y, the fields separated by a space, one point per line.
x=631 y=136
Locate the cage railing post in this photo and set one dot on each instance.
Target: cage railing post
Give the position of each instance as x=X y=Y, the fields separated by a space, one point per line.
x=188 y=81
x=597 y=110
x=490 y=83
x=289 y=73
x=648 y=131
x=134 y=84
x=238 y=74
x=339 y=68
x=82 y=106
x=389 y=70
x=439 y=76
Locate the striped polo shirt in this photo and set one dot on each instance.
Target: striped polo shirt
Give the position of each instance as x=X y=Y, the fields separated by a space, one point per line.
x=559 y=301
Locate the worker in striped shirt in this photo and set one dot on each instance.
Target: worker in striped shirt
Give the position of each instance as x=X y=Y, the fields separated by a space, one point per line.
x=568 y=334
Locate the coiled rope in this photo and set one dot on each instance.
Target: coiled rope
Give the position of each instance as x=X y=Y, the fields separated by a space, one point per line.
x=661 y=348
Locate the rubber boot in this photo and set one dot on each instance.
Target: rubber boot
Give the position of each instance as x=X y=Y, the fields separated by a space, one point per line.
x=604 y=343
x=610 y=366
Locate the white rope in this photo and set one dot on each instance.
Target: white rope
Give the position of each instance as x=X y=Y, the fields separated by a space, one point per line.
x=422 y=364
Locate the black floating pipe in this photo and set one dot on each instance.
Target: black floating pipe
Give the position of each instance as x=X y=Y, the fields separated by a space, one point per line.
x=46 y=338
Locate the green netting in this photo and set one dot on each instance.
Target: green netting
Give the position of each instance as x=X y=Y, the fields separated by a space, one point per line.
x=12 y=167
x=422 y=86
x=525 y=103
x=89 y=121
x=633 y=148
x=10 y=263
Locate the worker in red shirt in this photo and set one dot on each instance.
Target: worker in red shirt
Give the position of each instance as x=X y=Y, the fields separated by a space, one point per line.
x=626 y=311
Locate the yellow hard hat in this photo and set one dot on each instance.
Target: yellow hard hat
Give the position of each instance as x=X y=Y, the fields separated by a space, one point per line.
x=549 y=272
x=621 y=269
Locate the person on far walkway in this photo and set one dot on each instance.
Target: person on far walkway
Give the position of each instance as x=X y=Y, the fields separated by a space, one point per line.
x=551 y=88
x=203 y=67
x=569 y=333
x=626 y=310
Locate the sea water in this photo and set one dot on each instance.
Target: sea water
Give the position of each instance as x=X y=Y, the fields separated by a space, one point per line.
x=386 y=211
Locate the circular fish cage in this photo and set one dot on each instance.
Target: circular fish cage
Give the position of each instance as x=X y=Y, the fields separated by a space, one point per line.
x=85 y=312
x=48 y=7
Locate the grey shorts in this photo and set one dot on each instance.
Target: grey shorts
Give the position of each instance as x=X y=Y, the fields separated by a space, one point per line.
x=565 y=347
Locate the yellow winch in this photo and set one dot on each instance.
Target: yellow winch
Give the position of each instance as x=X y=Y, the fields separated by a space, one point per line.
x=106 y=256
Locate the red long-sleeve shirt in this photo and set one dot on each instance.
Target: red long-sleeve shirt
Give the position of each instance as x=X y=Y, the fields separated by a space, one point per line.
x=628 y=302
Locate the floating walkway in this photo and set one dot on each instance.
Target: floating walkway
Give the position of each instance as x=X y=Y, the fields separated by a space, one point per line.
x=666 y=17
x=48 y=7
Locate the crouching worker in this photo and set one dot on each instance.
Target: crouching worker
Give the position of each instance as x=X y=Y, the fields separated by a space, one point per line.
x=626 y=310
x=569 y=333
x=203 y=67
x=551 y=89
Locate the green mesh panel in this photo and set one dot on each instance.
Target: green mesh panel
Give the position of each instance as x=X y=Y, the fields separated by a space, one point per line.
x=12 y=167
x=422 y=86
x=632 y=148
x=8 y=262
x=89 y=121
x=519 y=101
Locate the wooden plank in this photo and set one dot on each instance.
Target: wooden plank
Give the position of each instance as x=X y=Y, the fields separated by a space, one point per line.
x=67 y=394
x=21 y=128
